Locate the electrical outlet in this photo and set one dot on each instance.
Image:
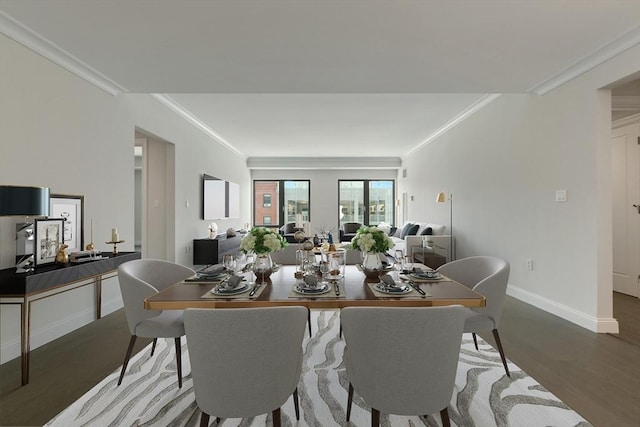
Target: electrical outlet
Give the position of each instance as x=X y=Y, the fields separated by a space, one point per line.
x=529 y=264
x=186 y=249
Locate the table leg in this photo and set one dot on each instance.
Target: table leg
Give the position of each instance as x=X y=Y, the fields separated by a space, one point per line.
x=25 y=341
x=98 y=286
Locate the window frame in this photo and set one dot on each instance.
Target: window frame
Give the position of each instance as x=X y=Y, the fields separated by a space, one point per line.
x=281 y=208
x=366 y=194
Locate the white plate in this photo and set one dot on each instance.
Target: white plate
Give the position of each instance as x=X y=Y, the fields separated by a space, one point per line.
x=221 y=290
x=424 y=276
x=323 y=288
x=399 y=289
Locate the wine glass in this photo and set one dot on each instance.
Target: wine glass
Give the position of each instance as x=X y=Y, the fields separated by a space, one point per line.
x=229 y=262
x=324 y=269
x=250 y=258
x=408 y=263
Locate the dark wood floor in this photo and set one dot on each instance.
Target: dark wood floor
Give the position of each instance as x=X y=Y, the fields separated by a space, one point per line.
x=596 y=374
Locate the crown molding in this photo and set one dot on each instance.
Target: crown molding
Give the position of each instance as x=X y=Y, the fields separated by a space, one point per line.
x=465 y=114
x=324 y=163
x=608 y=51
x=54 y=53
x=195 y=121
x=625 y=103
x=633 y=119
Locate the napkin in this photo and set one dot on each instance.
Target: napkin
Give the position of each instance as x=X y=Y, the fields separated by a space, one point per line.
x=388 y=280
x=233 y=282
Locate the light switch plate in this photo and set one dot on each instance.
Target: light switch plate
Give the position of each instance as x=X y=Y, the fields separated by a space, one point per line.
x=561 y=195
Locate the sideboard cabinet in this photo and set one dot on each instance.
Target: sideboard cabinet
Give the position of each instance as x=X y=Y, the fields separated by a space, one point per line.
x=210 y=251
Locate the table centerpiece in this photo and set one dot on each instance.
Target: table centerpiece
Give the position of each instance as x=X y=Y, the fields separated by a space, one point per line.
x=372 y=241
x=262 y=241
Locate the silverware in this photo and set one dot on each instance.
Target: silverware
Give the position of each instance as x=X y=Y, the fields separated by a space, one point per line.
x=255 y=288
x=337 y=289
x=417 y=288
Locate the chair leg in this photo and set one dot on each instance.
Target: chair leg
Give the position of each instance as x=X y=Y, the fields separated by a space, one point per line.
x=204 y=420
x=296 y=405
x=499 y=344
x=132 y=341
x=444 y=416
x=309 y=320
x=153 y=346
x=375 y=417
x=179 y=361
x=276 y=417
x=349 y=401
x=475 y=340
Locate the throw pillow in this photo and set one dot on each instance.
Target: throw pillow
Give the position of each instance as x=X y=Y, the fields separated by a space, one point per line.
x=405 y=229
x=428 y=231
x=412 y=230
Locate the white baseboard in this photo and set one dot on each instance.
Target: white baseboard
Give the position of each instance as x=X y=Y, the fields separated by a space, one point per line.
x=594 y=324
x=11 y=350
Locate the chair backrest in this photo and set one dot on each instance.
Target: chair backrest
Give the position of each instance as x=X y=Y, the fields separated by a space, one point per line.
x=351 y=227
x=286 y=256
x=247 y=361
x=403 y=360
x=486 y=275
x=142 y=278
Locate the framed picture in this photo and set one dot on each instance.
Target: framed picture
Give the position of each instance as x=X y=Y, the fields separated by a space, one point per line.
x=48 y=235
x=71 y=209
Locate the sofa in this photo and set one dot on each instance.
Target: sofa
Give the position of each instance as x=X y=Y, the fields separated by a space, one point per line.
x=411 y=234
x=288 y=231
x=348 y=231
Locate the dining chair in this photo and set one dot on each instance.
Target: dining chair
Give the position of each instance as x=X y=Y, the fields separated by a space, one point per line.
x=245 y=362
x=488 y=276
x=401 y=360
x=140 y=279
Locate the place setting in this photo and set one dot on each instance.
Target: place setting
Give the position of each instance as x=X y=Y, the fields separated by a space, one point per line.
x=235 y=287
x=310 y=286
x=389 y=287
x=216 y=273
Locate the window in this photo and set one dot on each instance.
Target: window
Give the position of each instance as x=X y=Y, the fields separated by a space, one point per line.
x=366 y=201
x=291 y=198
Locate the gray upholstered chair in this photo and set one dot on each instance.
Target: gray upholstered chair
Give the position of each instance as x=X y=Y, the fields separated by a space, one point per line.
x=488 y=276
x=402 y=361
x=348 y=231
x=288 y=231
x=140 y=279
x=245 y=362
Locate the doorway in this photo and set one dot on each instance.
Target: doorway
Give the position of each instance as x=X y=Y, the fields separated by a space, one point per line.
x=154 y=197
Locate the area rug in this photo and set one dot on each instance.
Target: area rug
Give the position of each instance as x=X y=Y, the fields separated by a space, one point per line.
x=484 y=396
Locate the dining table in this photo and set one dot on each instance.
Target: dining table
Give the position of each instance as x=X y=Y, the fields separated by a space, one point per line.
x=353 y=288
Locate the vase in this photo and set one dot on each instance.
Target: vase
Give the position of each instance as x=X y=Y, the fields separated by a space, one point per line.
x=372 y=265
x=262 y=266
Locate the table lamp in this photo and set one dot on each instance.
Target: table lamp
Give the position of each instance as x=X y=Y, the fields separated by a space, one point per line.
x=443 y=198
x=24 y=201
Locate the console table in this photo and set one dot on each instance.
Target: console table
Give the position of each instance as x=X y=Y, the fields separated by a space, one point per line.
x=49 y=280
x=428 y=257
x=210 y=251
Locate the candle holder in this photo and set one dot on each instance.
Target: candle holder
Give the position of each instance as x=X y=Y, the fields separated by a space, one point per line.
x=115 y=245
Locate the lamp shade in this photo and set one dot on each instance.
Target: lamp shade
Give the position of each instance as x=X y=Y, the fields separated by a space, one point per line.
x=441 y=197
x=23 y=201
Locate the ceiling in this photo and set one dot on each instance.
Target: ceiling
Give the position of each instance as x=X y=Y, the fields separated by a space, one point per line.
x=324 y=78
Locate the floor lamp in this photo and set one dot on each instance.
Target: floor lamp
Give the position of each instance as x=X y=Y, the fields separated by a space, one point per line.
x=442 y=198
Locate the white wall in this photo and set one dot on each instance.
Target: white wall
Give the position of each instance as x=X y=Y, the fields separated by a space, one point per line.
x=503 y=166
x=324 y=190
x=61 y=132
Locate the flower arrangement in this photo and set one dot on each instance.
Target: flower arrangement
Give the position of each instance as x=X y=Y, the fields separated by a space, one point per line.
x=262 y=240
x=371 y=239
